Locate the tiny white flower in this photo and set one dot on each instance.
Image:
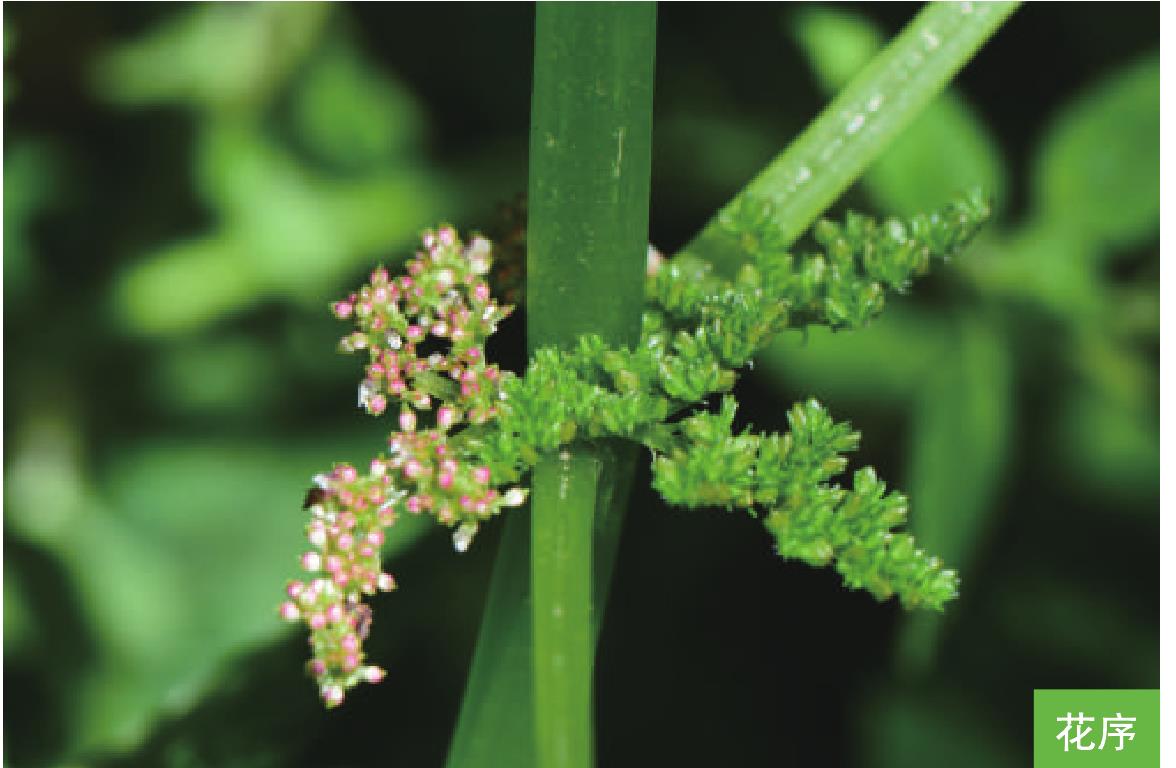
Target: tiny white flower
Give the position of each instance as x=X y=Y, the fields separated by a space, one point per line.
x=514 y=497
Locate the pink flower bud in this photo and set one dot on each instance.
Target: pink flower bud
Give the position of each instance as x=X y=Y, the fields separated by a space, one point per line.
x=481 y=293
x=347 y=473
x=413 y=504
x=413 y=469
x=446 y=236
x=350 y=662
x=373 y=674
x=377 y=470
x=482 y=475
x=341 y=578
x=342 y=310
x=376 y=538
x=414 y=333
x=445 y=417
x=318 y=668
x=445 y=480
x=407 y=420
x=294 y=589
x=332 y=695
x=311 y=561
x=290 y=612
x=345 y=542
x=379 y=276
x=317 y=621
x=385 y=582
x=349 y=643
x=334 y=613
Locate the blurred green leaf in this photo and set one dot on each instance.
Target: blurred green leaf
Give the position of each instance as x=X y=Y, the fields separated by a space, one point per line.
x=32 y=183
x=219 y=55
x=286 y=233
x=961 y=434
x=223 y=375
x=944 y=152
x=1098 y=172
x=185 y=285
x=1110 y=447
x=19 y=622
x=352 y=116
x=1047 y=267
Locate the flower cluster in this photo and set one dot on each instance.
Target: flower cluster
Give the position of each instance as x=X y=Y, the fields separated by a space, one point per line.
x=349 y=514
x=467 y=430
x=424 y=333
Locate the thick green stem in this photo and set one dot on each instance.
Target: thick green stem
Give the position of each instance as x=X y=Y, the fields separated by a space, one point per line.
x=563 y=503
x=587 y=236
x=853 y=130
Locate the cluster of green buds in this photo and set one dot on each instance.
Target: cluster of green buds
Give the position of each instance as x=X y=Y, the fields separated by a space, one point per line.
x=424 y=333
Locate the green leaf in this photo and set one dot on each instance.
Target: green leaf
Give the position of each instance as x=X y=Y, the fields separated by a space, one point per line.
x=211 y=56
x=1098 y=174
x=960 y=439
x=351 y=115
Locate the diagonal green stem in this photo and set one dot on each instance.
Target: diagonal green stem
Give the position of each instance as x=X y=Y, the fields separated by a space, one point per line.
x=854 y=129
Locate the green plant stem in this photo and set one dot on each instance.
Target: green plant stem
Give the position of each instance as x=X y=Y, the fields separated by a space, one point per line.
x=853 y=130
x=563 y=490
x=587 y=236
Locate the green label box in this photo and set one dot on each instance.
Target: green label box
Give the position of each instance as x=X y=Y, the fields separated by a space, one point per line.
x=1088 y=728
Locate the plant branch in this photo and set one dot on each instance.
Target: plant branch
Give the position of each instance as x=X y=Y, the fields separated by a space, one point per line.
x=853 y=130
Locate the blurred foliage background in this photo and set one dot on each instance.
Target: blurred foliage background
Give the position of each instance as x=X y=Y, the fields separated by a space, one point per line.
x=187 y=186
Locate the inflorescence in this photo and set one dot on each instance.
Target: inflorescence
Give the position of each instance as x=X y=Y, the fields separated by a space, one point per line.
x=469 y=432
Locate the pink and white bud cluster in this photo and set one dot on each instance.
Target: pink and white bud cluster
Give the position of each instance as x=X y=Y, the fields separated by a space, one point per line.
x=425 y=333
x=446 y=484
x=348 y=516
x=431 y=322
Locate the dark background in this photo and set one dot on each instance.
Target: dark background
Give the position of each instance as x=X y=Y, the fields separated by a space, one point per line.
x=186 y=187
